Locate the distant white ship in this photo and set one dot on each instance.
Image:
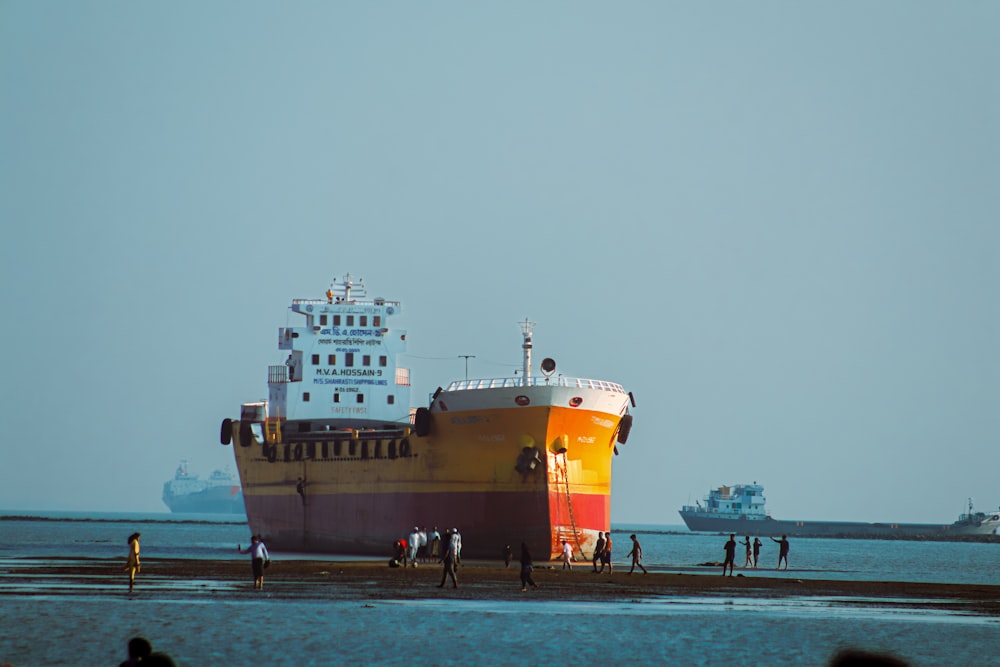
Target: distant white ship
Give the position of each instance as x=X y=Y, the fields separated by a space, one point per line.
x=188 y=494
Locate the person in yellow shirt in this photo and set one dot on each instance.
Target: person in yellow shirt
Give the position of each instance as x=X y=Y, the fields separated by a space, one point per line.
x=132 y=566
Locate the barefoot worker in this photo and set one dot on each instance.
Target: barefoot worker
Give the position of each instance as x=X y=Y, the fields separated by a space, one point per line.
x=258 y=559
x=132 y=566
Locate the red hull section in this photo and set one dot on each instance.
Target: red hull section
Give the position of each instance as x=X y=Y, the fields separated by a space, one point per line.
x=369 y=524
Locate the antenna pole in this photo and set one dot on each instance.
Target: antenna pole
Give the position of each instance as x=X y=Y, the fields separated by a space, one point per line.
x=526 y=328
x=466 y=357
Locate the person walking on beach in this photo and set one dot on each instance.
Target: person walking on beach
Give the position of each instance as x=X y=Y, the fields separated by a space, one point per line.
x=598 y=550
x=456 y=542
x=422 y=546
x=567 y=556
x=782 y=551
x=756 y=550
x=132 y=565
x=527 y=567
x=730 y=555
x=507 y=555
x=606 y=555
x=636 y=555
x=749 y=548
x=433 y=544
x=448 y=560
x=259 y=559
x=414 y=546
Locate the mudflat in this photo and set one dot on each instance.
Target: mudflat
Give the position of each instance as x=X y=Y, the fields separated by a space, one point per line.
x=477 y=580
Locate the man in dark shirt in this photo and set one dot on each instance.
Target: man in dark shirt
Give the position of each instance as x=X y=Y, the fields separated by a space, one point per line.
x=730 y=555
x=782 y=551
x=598 y=549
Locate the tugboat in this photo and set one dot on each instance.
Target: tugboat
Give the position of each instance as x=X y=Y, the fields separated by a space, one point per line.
x=186 y=493
x=337 y=461
x=740 y=509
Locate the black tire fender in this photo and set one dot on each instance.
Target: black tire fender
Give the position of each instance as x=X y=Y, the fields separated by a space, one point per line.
x=422 y=422
x=624 y=428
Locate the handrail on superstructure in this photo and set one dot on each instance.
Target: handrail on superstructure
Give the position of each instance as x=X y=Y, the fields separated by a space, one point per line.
x=561 y=381
x=363 y=302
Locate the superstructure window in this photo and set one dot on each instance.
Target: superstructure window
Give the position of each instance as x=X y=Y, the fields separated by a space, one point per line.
x=382 y=361
x=315 y=359
x=377 y=321
x=336 y=320
x=350 y=320
x=390 y=399
x=366 y=360
x=331 y=360
x=336 y=398
x=305 y=397
x=361 y=398
x=349 y=359
x=322 y=320
x=364 y=320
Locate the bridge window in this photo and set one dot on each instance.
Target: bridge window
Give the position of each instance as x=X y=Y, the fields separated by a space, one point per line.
x=350 y=320
x=322 y=320
x=336 y=320
x=315 y=360
x=364 y=320
x=331 y=360
x=349 y=359
x=377 y=321
x=366 y=360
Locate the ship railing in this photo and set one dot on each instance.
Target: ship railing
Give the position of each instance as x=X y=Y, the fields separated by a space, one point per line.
x=560 y=381
x=360 y=302
x=277 y=374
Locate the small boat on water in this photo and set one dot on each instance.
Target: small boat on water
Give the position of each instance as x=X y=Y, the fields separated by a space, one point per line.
x=187 y=493
x=337 y=460
x=740 y=509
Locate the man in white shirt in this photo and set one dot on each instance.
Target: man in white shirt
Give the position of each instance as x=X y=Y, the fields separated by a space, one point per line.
x=414 y=545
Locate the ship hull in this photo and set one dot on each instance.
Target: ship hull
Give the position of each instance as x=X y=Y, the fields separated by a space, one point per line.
x=503 y=466
x=775 y=527
x=218 y=500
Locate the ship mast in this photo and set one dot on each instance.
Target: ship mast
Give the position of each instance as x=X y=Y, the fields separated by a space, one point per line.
x=526 y=328
x=343 y=289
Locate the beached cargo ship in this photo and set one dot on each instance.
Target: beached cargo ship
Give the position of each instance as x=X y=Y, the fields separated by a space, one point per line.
x=188 y=493
x=337 y=461
x=740 y=509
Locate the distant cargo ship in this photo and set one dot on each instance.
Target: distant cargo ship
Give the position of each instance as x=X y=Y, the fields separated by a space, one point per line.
x=337 y=461
x=740 y=509
x=188 y=494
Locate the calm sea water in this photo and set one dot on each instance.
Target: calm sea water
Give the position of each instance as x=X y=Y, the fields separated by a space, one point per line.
x=92 y=627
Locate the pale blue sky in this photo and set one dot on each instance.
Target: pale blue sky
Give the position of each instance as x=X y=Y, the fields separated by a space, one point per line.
x=776 y=223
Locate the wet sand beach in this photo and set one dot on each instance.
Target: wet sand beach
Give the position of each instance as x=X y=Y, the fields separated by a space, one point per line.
x=368 y=580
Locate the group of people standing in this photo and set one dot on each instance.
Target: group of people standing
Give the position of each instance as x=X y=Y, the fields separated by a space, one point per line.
x=753 y=552
x=602 y=554
x=422 y=546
